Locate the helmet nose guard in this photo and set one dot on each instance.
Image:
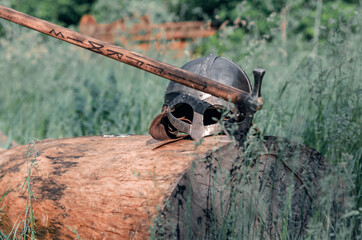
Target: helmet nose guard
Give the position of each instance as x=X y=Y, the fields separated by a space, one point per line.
x=193 y=112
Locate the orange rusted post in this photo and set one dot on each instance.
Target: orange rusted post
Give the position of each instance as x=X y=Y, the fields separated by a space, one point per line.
x=131 y=58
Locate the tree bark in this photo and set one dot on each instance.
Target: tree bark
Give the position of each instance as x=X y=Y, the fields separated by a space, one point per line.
x=104 y=187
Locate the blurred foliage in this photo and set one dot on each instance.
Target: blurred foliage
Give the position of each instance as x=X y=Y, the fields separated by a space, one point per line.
x=110 y=10
x=256 y=10
x=63 y=12
x=265 y=19
x=261 y=16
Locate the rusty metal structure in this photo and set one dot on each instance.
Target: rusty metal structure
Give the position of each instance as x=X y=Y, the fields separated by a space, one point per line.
x=142 y=34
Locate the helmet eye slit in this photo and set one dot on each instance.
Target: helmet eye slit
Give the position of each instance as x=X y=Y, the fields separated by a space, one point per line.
x=212 y=115
x=183 y=111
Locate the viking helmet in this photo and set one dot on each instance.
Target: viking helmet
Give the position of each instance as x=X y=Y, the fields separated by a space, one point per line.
x=193 y=112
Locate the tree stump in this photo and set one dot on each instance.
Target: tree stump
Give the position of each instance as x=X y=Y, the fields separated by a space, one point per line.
x=117 y=187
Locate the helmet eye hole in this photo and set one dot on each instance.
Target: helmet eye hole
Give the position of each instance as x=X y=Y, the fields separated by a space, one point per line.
x=212 y=115
x=183 y=111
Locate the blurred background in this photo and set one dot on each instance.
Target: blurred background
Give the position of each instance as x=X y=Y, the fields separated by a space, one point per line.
x=311 y=51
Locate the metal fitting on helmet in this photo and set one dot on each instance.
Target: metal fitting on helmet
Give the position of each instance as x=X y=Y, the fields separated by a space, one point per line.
x=196 y=113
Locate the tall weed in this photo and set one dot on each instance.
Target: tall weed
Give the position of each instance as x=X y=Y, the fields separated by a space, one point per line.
x=51 y=89
x=24 y=227
x=312 y=97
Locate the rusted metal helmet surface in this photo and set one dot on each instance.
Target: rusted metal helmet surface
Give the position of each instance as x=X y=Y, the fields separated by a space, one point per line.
x=193 y=112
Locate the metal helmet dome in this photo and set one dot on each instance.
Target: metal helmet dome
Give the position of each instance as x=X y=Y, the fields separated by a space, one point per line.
x=193 y=112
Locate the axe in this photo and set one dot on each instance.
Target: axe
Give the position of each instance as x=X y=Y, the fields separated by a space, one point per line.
x=253 y=101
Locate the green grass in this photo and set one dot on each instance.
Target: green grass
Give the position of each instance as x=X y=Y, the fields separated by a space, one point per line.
x=24 y=227
x=50 y=89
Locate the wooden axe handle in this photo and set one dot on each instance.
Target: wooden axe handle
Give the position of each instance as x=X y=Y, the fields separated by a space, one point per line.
x=131 y=58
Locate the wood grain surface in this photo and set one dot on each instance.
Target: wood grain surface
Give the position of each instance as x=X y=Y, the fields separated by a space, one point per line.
x=104 y=187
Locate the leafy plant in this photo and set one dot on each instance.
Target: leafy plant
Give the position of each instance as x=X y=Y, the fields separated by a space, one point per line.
x=111 y=10
x=65 y=12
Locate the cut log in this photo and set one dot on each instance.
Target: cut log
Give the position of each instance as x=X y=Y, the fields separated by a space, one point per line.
x=102 y=187
x=117 y=187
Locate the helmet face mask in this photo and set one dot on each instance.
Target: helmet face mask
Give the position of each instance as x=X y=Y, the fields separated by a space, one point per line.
x=196 y=113
x=193 y=116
